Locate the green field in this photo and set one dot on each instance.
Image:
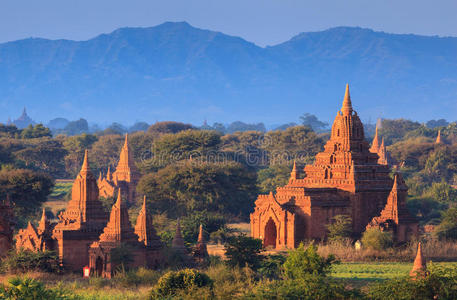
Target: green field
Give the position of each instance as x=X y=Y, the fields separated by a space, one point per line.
x=375 y=270
x=61 y=188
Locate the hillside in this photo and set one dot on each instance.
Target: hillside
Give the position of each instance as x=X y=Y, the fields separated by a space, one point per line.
x=178 y=72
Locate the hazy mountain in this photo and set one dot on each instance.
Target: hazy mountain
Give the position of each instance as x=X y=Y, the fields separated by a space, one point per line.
x=177 y=72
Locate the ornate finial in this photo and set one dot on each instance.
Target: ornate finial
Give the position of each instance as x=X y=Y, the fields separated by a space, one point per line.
x=200 y=235
x=438 y=138
x=294 y=174
x=108 y=174
x=85 y=166
x=419 y=267
x=347 y=105
x=126 y=142
x=144 y=203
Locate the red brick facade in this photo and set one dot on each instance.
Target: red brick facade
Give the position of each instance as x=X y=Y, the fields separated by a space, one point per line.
x=346 y=178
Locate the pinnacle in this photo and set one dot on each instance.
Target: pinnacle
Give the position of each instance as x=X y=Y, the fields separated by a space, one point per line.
x=200 y=235
x=119 y=199
x=347 y=105
x=85 y=166
x=419 y=262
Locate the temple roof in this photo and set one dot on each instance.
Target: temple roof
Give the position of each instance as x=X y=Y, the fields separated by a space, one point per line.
x=144 y=228
x=119 y=228
x=126 y=169
x=346 y=109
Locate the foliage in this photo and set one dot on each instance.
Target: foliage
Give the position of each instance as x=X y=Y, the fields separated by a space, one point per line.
x=395 y=130
x=76 y=127
x=313 y=122
x=448 y=227
x=376 y=239
x=241 y=250
x=241 y=126
x=441 y=283
x=175 y=281
x=36 y=131
x=186 y=187
x=28 y=190
x=340 y=228
x=168 y=127
x=27 y=288
x=121 y=256
x=272 y=177
x=271 y=266
x=301 y=263
x=310 y=287
x=26 y=260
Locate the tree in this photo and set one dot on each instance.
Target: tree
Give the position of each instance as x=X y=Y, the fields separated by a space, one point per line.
x=376 y=239
x=168 y=127
x=76 y=127
x=394 y=130
x=448 y=227
x=75 y=146
x=139 y=126
x=340 y=228
x=28 y=190
x=272 y=177
x=35 y=132
x=241 y=126
x=301 y=263
x=46 y=155
x=241 y=250
x=313 y=122
x=174 y=282
x=185 y=187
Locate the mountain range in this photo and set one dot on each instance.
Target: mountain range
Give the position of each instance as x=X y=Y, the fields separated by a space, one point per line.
x=175 y=71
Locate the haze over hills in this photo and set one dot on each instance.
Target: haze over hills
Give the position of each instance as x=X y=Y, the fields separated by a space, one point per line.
x=177 y=72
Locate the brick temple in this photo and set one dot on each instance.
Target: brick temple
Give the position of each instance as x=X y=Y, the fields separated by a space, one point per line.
x=125 y=177
x=86 y=234
x=348 y=178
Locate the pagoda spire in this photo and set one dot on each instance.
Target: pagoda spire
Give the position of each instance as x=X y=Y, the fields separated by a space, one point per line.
x=200 y=250
x=119 y=228
x=347 y=105
x=419 y=267
x=375 y=144
x=294 y=173
x=44 y=223
x=109 y=177
x=438 y=138
x=200 y=235
x=85 y=167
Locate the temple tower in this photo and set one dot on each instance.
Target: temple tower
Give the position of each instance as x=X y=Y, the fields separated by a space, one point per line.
x=200 y=250
x=419 y=267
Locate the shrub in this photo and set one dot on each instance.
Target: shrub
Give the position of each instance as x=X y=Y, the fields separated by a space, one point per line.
x=310 y=287
x=448 y=227
x=271 y=266
x=441 y=283
x=183 y=280
x=242 y=250
x=340 y=229
x=376 y=239
x=303 y=262
x=25 y=260
x=26 y=288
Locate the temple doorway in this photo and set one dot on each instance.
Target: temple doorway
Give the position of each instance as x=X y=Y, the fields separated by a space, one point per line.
x=270 y=234
x=99 y=266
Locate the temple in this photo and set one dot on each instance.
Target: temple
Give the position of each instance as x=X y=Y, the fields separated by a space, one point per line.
x=6 y=226
x=347 y=178
x=125 y=177
x=419 y=267
x=119 y=233
x=85 y=235
x=36 y=239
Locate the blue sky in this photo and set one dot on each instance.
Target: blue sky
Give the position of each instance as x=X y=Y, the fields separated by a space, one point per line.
x=264 y=22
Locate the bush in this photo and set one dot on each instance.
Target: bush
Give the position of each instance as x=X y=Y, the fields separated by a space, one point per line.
x=26 y=260
x=340 y=229
x=311 y=287
x=448 y=227
x=376 y=239
x=177 y=281
x=242 y=250
x=441 y=283
x=26 y=288
x=301 y=263
x=271 y=266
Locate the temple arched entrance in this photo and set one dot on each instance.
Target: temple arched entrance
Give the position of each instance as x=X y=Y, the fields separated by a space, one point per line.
x=99 y=266
x=270 y=234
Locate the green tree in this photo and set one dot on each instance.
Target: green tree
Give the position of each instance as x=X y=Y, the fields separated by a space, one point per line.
x=301 y=263
x=186 y=187
x=241 y=250
x=174 y=282
x=313 y=122
x=340 y=228
x=272 y=177
x=27 y=189
x=376 y=239
x=36 y=131
x=448 y=227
